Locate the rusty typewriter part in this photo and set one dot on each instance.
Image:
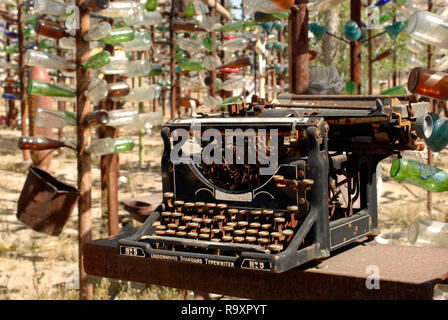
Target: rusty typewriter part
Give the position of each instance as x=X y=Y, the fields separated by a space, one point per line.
x=320 y=196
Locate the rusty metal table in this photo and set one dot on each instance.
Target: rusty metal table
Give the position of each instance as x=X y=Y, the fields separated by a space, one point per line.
x=405 y=272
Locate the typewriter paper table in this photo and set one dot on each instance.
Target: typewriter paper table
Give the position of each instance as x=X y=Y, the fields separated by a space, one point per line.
x=405 y=272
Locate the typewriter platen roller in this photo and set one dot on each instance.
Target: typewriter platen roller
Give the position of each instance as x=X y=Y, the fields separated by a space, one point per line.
x=273 y=186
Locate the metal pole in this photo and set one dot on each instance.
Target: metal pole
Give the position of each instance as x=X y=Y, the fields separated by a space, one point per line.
x=173 y=77
x=434 y=109
x=212 y=90
x=370 y=57
x=22 y=78
x=355 y=46
x=84 y=158
x=298 y=48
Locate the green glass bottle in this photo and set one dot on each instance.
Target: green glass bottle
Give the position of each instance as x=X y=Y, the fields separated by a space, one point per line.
x=11 y=49
x=41 y=88
x=151 y=5
x=208 y=43
x=237 y=26
x=111 y=145
x=119 y=35
x=419 y=174
x=180 y=55
x=189 y=11
x=157 y=70
x=398 y=90
x=191 y=65
x=350 y=87
x=98 y=60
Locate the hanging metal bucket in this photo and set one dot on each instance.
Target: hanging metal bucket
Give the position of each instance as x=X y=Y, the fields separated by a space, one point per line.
x=45 y=204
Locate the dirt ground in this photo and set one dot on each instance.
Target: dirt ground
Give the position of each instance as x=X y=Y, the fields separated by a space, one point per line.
x=37 y=266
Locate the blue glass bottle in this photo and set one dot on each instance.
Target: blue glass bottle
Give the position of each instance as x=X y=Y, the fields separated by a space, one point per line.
x=394 y=30
x=381 y=3
x=352 y=31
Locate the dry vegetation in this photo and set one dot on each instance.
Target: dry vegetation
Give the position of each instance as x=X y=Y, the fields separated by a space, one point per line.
x=36 y=266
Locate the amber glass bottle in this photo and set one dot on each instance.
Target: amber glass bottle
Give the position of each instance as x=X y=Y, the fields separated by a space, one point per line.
x=50 y=30
x=428 y=83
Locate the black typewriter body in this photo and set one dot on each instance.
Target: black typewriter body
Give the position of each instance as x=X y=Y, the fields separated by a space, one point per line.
x=320 y=194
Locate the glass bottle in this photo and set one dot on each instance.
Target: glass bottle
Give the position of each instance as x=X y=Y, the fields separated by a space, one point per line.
x=189 y=45
x=238 y=63
x=141 y=42
x=442 y=64
x=190 y=10
x=68 y=43
x=269 y=6
x=152 y=18
x=192 y=83
x=322 y=5
x=98 y=60
x=50 y=7
x=233 y=84
x=138 y=68
x=419 y=174
x=99 y=90
x=428 y=233
x=394 y=30
x=416 y=47
x=11 y=49
x=40 y=143
x=383 y=55
x=186 y=26
x=157 y=70
x=208 y=43
x=398 y=90
x=98 y=31
x=41 y=88
x=428 y=83
x=234 y=45
x=48 y=118
x=50 y=30
x=141 y=94
x=151 y=5
x=191 y=65
x=117 y=65
x=439 y=138
x=414 y=62
x=429 y=28
x=120 y=9
x=111 y=145
x=119 y=35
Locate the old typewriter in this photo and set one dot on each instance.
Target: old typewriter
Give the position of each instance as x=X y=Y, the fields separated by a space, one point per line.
x=311 y=191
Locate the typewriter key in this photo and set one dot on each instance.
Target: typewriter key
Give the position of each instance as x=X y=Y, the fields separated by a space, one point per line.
x=255 y=215
x=178 y=205
x=216 y=240
x=275 y=237
x=266 y=226
x=168 y=196
x=263 y=242
x=242 y=215
x=251 y=239
x=227 y=230
x=161 y=227
x=232 y=214
x=170 y=233
x=193 y=226
x=200 y=209
x=166 y=217
x=279 y=214
x=239 y=233
x=263 y=234
x=160 y=232
x=188 y=208
x=181 y=234
x=172 y=226
x=279 y=223
x=232 y=224
x=204 y=236
x=279 y=181
x=227 y=238
x=205 y=230
x=239 y=239
x=219 y=221
x=293 y=212
x=215 y=233
x=255 y=225
x=197 y=220
x=221 y=208
x=288 y=234
x=243 y=225
x=182 y=228
x=187 y=219
x=192 y=235
x=207 y=222
x=177 y=216
x=211 y=207
x=252 y=232
x=267 y=215
x=275 y=248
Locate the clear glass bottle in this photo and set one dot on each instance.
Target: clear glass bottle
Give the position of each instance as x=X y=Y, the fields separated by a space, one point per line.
x=106 y=146
x=416 y=47
x=269 y=6
x=419 y=174
x=47 y=60
x=98 y=31
x=152 y=18
x=138 y=68
x=141 y=42
x=429 y=28
x=189 y=45
x=117 y=65
x=120 y=9
x=48 y=118
x=428 y=233
x=141 y=94
x=414 y=62
x=233 y=84
x=191 y=65
x=234 y=45
x=50 y=7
